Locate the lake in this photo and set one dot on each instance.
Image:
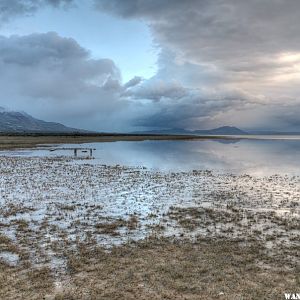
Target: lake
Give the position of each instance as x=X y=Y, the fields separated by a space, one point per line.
x=260 y=156
x=52 y=204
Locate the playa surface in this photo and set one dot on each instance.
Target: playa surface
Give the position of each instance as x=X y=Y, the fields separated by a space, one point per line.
x=73 y=229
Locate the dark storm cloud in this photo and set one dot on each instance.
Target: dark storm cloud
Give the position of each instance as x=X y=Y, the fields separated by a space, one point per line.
x=55 y=78
x=13 y=8
x=222 y=45
x=186 y=112
x=221 y=62
x=217 y=29
x=168 y=104
x=235 y=36
x=142 y=8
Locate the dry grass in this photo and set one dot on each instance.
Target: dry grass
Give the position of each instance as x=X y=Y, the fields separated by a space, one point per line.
x=18 y=141
x=159 y=269
x=17 y=283
x=243 y=253
x=111 y=228
x=6 y=244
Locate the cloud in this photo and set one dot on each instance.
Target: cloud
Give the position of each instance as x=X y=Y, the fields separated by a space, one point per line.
x=133 y=82
x=13 y=8
x=156 y=90
x=216 y=28
x=222 y=45
x=168 y=104
x=141 y=8
x=55 y=78
x=233 y=35
x=222 y=62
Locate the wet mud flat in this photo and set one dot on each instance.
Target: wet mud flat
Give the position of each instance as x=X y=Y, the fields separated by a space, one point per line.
x=70 y=229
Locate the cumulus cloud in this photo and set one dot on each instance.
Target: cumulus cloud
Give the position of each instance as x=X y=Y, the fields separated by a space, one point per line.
x=55 y=78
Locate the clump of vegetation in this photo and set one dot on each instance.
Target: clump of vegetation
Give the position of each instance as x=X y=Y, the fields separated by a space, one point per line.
x=112 y=227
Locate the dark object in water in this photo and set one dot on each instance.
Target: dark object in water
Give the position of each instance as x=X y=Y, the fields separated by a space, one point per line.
x=83 y=150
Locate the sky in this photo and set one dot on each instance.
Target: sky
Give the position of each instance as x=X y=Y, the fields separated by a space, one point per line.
x=127 y=65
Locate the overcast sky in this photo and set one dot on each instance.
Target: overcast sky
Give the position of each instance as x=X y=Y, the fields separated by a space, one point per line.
x=123 y=65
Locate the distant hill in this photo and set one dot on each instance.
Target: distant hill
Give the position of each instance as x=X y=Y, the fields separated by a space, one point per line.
x=20 y=122
x=224 y=130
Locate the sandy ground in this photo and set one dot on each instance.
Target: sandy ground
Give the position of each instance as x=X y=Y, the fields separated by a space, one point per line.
x=74 y=230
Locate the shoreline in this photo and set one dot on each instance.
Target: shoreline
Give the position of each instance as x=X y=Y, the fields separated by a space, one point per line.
x=25 y=141
x=8 y=142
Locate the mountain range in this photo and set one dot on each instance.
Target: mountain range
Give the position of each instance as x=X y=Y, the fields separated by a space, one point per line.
x=21 y=122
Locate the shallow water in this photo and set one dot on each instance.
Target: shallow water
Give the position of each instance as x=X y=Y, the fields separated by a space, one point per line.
x=260 y=156
x=51 y=202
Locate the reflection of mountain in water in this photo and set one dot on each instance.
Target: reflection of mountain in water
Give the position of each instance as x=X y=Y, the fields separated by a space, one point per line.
x=259 y=157
x=252 y=156
x=224 y=130
x=227 y=141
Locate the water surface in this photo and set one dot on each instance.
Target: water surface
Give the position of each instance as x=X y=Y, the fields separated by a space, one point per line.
x=245 y=156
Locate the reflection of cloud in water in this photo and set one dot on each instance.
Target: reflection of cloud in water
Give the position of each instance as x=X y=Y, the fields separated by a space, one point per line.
x=261 y=157
x=257 y=157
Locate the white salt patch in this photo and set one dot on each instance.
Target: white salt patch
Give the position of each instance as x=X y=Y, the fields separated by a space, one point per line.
x=9 y=258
